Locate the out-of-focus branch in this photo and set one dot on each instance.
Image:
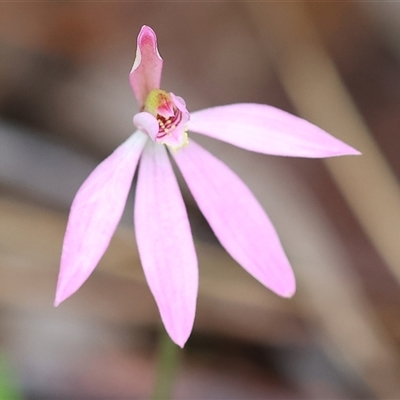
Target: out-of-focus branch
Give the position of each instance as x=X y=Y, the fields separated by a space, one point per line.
x=317 y=92
x=367 y=182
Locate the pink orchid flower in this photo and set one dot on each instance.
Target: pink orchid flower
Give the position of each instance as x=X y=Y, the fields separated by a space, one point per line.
x=163 y=233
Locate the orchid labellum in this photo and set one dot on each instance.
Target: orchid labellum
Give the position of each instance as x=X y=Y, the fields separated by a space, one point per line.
x=164 y=238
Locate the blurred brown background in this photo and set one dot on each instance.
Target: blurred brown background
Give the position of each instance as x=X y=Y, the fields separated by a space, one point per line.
x=65 y=104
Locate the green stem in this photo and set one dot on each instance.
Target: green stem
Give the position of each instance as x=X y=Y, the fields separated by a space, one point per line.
x=168 y=363
x=8 y=388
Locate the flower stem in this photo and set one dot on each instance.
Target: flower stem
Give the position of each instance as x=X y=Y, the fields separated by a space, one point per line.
x=168 y=363
x=8 y=388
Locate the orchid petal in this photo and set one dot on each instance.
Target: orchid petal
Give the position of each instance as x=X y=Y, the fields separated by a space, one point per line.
x=147 y=123
x=268 y=130
x=236 y=218
x=146 y=70
x=95 y=212
x=165 y=243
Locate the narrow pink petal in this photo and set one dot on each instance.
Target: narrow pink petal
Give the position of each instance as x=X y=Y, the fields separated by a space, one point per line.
x=146 y=71
x=165 y=243
x=95 y=213
x=268 y=130
x=237 y=219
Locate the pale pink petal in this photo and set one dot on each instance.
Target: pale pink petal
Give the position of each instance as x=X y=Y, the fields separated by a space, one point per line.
x=268 y=130
x=95 y=213
x=179 y=103
x=236 y=217
x=146 y=71
x=176 y=136
x=147 y=123
x=165 y=243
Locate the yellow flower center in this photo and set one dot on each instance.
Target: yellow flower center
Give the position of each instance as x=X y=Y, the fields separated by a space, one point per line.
x=169 y=117
x=159 y=102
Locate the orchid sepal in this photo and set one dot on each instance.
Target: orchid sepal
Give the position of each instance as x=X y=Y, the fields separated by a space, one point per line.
x=95 y=213
x=236 y=218
x=165 y=243
x=147 y=67
x=269 y=130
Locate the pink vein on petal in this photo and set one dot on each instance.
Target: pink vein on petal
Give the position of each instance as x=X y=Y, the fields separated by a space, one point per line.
x=266 y=129
x=236 y=217
x=146 y=70
x=95 y=212
x=165 y=243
